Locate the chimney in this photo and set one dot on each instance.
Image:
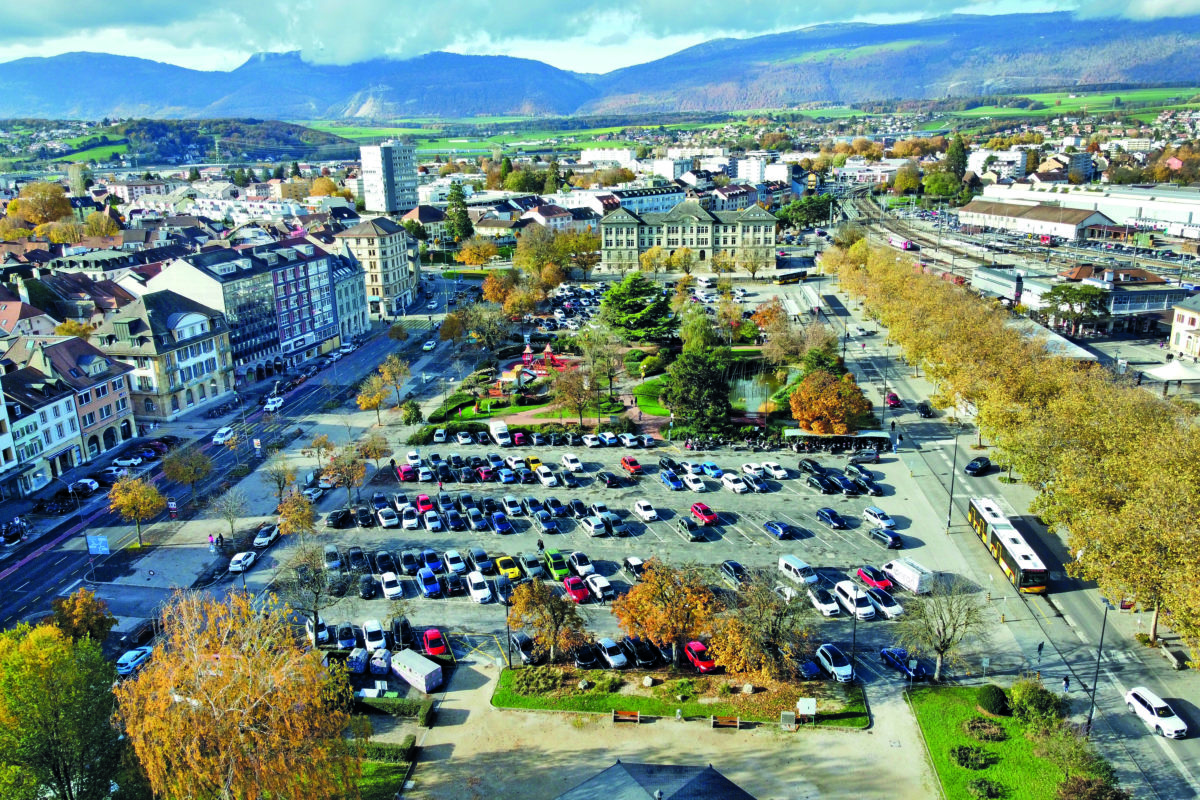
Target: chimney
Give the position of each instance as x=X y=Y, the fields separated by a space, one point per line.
x=1110 y=276
x=22 y=291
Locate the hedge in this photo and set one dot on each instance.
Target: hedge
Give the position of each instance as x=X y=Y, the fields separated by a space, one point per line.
x=398 y=707
x=403 y=753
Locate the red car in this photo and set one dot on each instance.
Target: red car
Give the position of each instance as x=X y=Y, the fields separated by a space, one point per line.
x=435 y=643
x=405 y=472
x=892 y=400
x=424 y=503
x=485 y=474
x=631 y=465
x=703 y=514
x=698 y=657
x=874 y=578
x=575 y=589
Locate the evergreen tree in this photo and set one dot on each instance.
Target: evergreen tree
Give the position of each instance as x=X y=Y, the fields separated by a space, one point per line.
x=956 y=157
x=295 y=169
x=553 y=179
x=193 y=175
x=278 y=173
x=505 y=168
x=458 y=223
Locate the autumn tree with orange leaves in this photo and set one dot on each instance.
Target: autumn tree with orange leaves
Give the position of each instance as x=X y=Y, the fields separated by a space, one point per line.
x=233 y=707
x=825 y=404
x=498 y=284
x=553 y=618
x=82 y=614
x=668 y=606
x=761 y=633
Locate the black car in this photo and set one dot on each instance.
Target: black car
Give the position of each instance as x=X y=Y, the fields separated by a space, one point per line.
x=357 y=559
x=574 y=440
x=455 y=521
x=489 y=506
x=756 y=483
x=978 y=466
x=456 y=461
x=869 y=487
x=886 y=538
x=367 y=587
x=385 y=563
x=464 y=502
x=609 y=480
x=924 y=410
x=568 y=480
x=734 y=574
x=811 y=467
x=480 y=561
x=843 y=484
x=858 y=471
x=341 y=518
x=578 y=509
x=364 y=517
x=586 y=656
x=481 y=437
x=445 y=474
x=819 y=483
x=403 y=637
x=557 y=440
x=452 y=584
x=532 y=505
x=666 y=462
x=639 y=652
x=410 y=562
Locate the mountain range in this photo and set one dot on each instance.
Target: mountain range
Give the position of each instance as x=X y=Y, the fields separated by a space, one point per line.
x=955 y=55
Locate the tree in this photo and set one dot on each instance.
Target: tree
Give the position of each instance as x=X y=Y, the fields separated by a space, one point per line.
x=823 y=403
x=136 y=501
x=939 y=621
x=768 y=314
x=602 y=355
x=303 y=584
x=538 y=248
x=82 y=614
x=296 y=515
x=458 y=222
x=347 y=467
x=956 y=157
x=697 y=389
x=41 y=202
x=669 y=605
x=233 y=707
x=187 y=466
x=97 y=224
x=847 y=234
x=56 y=703
x=488 y=324
x=908 y=178
x=553 y=179
x=372 y=394
x=654 y=260
x=295 y=171
x=499 y=284
x=374 y=446
x=723 y=262
x=194 y=175
x=941 y=184
x=570 y=390
x=321 y=445
x=395 y=371
x=397 y=332
x=323 y=187
x=762 y=633
x=683 y=260
x=280 y=474
x=637 y=309
x=553 y=618
x=72 y=327
x=231 y=507
x=697 y=331
x=410 y=413
x=416 y=230
x=1076 y=303
x=476 y=251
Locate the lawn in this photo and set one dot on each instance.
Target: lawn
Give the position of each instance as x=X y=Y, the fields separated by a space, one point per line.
x=468 y=413
x=837 y=705
x=646 y=395
x=101 y=153
x=1093 y=101
x=941 y=713
x=380 y=780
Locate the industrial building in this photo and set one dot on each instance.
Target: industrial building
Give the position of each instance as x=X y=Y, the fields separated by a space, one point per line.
x=1173 y=209
x=1028 y=218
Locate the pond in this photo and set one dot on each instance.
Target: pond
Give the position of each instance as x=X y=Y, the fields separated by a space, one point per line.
x=752 y=390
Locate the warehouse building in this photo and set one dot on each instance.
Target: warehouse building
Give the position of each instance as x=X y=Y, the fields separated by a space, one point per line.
x=1032 y=219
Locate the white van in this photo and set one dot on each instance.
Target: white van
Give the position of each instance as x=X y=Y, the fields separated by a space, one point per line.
x=704 y=283
x=797 y=570
x=909 y=574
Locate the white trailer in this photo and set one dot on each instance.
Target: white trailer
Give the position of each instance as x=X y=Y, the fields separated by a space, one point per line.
x=909 y=574
x=417 y=670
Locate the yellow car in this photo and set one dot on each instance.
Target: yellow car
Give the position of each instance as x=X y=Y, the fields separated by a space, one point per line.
x=506 y=566
x=533 y=462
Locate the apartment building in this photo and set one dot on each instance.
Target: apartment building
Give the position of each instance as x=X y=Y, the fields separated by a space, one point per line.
x=350 y=297
x=389 y=172
x=392 y=263
x=45 y=427
x=748 y=233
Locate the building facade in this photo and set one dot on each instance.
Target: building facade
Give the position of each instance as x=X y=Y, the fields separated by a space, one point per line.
x=391 y=261
x=745 y=234
x=350 y=297
x=45 y=427
x=389 y=172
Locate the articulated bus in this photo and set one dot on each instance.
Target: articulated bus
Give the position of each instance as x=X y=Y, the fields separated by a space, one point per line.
x=900 y=242
x=791 y=277
x=1016 y=558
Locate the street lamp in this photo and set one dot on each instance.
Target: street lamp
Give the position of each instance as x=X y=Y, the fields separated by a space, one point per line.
x=854 y=635
x=70 y=489
x=1096 y=673
x=953 y=474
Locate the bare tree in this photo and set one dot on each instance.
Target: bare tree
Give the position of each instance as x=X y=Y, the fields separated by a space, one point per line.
x=231 y=507
x=938 y=622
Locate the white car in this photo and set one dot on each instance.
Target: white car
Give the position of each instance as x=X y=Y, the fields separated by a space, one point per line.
x=695 y=483
x=861 y=331
x=612 y=654
x=478 y=588
x=266 y=536
x=433 y=521
x=823 y=601
x=431 y=305
x=734 y=483
x=318 y=631
x=691 y=467
x=391 y=585
x=223 y=435
x=462 y=437
x=387 y=518
x=314 y=494
x=454 y=562
x=409 y=518
x=571 y=462
x=774 y=470
x=599 y=586
x=273 y=404
x=835 y=662
x=753 y=469
x=425 y=475
x=878 y=518
x=884 y=603
x=1158 y=716
x=514 y=463
x=645 y=511
x=128 y=461
x=853 y=599
x=628 y=440
x=439 y=436
x=413 y=458
x=429 y=345
x=592 y=440
x=133 y=660
x=546 y=476
x=242 y=562
x=373 y=637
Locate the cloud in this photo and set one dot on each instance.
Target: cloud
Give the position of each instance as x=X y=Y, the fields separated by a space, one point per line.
x=346 y=31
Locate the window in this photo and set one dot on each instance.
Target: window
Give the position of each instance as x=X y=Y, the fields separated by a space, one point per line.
x=122 y=404
x=85 y=398
x=106 y=412
x=89 y=419
x=102 y=391
x=118 y=384
x=58 y=429
x=42 y=416
x=71 y=424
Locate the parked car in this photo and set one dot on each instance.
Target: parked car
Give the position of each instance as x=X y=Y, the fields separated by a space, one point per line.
x=831 y=518
x=898 y=658
x=835 y=663
x=885 y=537
x=703 y=514
x=823 y=601
x=734 y=574
x=697 y=655
x=575 y=589
x=873 y=577
x=877 y=517
x=611 y=654
x=131 y=661
x=645 y=511
x=695 y=483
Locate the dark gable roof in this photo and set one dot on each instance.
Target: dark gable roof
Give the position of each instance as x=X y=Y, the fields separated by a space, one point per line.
x=627 y=781
x=426 y=215
x=68 y=355
x=379 y=226
x=32 y=389
x=149 y=320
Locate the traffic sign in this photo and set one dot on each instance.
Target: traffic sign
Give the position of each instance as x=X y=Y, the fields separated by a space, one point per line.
x=97 y=545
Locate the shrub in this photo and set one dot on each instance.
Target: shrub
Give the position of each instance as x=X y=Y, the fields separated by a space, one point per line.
x=985 y=730
x=1084 y=787
x=422 y=710
x=652 y=366
x=1034 y=704
x=390 y=753
x=240 y=471
x=634 y=357
x=984 y=789
x=1144 y=638
x=968 y=756
x=536 y=680
x=724 y=690
x=991 y=698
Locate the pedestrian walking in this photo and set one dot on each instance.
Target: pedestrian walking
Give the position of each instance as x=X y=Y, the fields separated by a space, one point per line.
x=1066 y=683
x=1040 y=646
x=210 y=540
x=439 y=486
x=541 y=545
x=639 y=415
x=220 y=540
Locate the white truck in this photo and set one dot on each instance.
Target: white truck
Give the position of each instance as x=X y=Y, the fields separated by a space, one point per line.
x=909 y=574
x=499 y=430
x=417 y=670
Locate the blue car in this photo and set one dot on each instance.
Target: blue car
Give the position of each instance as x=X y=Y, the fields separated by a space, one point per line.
x=500 y=523
x=504 y=588
x=710 y=469
x=670 y=480
x=507 y=475
x=433 y=562
x=831 y=518
x=897 y=658
x=428 y=583
x=546 y=523
x=780 y=530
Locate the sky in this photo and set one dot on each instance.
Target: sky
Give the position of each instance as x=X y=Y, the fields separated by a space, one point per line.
x=577 y=35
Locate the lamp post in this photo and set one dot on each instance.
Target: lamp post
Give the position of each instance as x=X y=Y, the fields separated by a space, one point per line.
x=953 y=475
x=854 y=635
x=1096 y=672
x=70 y=489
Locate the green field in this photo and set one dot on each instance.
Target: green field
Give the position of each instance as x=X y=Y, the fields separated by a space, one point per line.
x=102 y=153
x=858 y=52
x=1064 y=103
x=360 y=132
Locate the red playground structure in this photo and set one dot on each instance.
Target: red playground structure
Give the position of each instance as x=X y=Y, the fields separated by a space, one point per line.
x=541 y=365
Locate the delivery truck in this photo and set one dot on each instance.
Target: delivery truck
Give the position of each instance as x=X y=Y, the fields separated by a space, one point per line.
x=499 y=430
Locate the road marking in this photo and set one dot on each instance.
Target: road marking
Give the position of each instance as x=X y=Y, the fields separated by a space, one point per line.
x=70 y=588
